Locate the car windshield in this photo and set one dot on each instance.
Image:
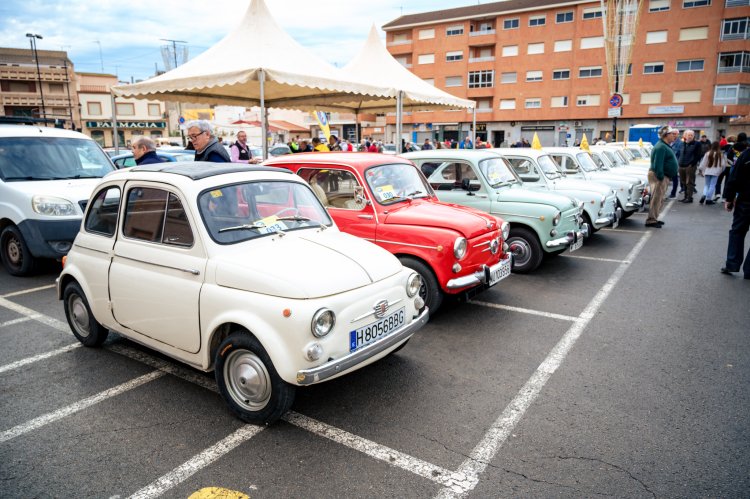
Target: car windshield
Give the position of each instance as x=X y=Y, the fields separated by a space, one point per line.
x=623 y=158
x=549 y=167
x=497 y=171
x=635 y=152
x=51 y=158
x=396 y=182
x=601 y=160
x=238 y=212
x=629 y=155
x=584 y=159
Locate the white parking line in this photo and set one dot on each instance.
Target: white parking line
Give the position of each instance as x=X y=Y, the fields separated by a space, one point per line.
x=197 y=463
x=595 y=259
x=15 y=321
x=26 y=291
x=624 y=231
x=35 y=358
x=78 y=406
x=33 y=314
x=549 y=315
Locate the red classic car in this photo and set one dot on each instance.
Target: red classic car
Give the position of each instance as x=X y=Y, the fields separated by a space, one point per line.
x=386 y=200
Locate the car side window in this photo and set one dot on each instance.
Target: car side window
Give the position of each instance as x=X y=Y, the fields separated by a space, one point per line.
x=125 y=162
x=335 y=188
x=467 y=172
x=445 y=177
x=156 y=216
x=176 y=226
x=102 y=216
x=523 y=169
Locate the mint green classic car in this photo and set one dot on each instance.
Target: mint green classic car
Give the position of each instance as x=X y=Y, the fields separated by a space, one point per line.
x=540 y=222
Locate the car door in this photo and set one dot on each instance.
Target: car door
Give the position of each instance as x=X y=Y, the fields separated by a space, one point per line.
x=158 y=267
x=447 y=178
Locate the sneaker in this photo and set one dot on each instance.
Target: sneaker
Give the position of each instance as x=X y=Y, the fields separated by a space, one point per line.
x=660 y=222
x=709 y=202
x=726 y=271
x=703 y=198
x=655 y=225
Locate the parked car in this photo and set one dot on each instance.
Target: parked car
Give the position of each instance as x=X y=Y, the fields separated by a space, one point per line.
x=46 y=178
x=577 y=163
x=605 y=159
x=238 y=270
x=540 y=222
x=126 y=160
x=385 y=199
x=539 y=171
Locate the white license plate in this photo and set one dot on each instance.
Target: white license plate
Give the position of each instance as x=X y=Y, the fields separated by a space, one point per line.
x=376 y=330
x=499 y=272
x=576 y=245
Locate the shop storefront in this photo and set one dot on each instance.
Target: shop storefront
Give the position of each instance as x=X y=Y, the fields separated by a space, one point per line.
x=127 y=131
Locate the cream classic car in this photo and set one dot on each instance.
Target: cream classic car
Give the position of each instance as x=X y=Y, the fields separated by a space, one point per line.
x=238 y=270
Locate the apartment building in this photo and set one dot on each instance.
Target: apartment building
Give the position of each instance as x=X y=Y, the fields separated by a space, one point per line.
x=44 y=93
x=540 y=67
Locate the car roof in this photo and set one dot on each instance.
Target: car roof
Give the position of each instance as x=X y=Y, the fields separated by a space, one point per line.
x=355 y=159
x=520 y=151
x=474 y=154
x=198 y=170
x=571 y=150
x=38 y=131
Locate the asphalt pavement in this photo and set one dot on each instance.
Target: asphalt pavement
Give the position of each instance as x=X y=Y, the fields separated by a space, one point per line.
x=619 y=370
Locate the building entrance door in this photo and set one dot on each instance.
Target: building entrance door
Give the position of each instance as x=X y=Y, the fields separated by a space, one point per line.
x=498 y=137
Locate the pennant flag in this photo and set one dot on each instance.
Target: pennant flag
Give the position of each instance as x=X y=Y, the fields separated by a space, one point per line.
x=585 y=144
x=323 y=122
x=640 y=142
x=535 y=144
x=626 y=142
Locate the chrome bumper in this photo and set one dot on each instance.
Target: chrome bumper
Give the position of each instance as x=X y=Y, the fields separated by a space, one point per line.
x=635 y=204
x=609 y=219
x=338 y=366
x=477 y=278
x=569 y=238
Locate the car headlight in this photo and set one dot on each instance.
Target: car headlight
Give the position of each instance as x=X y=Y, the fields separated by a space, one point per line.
x=505 y=228
x=52 y=206
x=413 y=283
x=323 y=322
x=459 y=248
x=556 y=218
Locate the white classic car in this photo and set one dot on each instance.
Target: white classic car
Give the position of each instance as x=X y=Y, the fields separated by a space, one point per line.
x=239 y=270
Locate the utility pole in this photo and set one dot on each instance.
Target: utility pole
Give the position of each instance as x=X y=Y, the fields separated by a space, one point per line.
x=32 y=39
x=179 y=105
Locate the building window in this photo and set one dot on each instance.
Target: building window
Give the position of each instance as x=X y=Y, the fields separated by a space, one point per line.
x=690 y=65
x=563 y=45
x=481 y=79
x=426 y=59
x=656 y=37
x=533 y=103
x=650 y=97
x=625 y=99
x=688 y=34
x=560 y=101
x=658 y=5
x=588 y=100
x=535 y=48
x=561 y=74
x=400 y=39
x=430 y=81
x=454 y=30
x=453 y=81
x=154 y=110
x=511 y=23
x=734 y=29
x=592 y=13
x=454 y=56
x=510 y=50
x=508 y=104
x=734 y=62
x=94 y=108
x=564 y=17
x=590 y=72
x=482 y=28
x=125 y=109
x=688 y=4
x=426 y=34
x=56 y=88
x=686 y=96
x=592 y=42
x=537 y=20
x=653 y=68
x=731 y=94
x=484 y=105
x=533 y=76
x=508 y=77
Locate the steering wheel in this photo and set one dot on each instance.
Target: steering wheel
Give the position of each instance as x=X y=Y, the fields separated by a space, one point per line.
x=294 y=210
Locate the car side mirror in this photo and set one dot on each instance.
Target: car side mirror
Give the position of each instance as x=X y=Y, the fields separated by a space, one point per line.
x=466 y=185
x=529 y=177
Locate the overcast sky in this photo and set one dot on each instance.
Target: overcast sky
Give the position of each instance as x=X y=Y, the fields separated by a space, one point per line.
x=129 y=31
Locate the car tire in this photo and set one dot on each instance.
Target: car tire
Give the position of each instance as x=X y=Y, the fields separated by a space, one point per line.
x=592 y=229
x=430 y=290
x=15 y=254
x=80 y=319
x=526 y=249
x=241 y=358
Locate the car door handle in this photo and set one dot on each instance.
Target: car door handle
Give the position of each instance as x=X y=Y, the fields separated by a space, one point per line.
x=365 y=217
x=191 y=271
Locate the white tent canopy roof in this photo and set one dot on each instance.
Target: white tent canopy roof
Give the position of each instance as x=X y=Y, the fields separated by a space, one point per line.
x=375 y=65
x=229 y=72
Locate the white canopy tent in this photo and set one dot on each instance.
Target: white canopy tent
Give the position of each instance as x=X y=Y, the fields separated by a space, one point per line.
x=258 y=64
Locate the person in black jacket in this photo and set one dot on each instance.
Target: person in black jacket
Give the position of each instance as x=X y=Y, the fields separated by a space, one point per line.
x=689 y=157
x=207 y=147
x=144 y=151
x=737 y=195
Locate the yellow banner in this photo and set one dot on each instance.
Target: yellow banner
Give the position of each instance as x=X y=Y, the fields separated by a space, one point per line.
x=535 y=143
x=323 y=122
x=585 y=144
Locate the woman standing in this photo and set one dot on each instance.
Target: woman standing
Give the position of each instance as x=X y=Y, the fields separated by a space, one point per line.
x=712 y=164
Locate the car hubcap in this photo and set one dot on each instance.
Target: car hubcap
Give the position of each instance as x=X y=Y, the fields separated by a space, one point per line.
x=247 y=379
x=14 y=251
x=79 y=315
x=521 y=251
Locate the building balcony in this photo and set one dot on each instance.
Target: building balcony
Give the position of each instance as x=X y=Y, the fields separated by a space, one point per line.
x=482 y=32
x=399 y=42
x=733 y=36
x=734 y=69
x=490 y=58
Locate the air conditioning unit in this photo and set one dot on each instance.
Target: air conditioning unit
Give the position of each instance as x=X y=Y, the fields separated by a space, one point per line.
x=577 y=123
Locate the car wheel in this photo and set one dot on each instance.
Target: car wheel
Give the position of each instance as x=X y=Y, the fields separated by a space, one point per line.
x=526 y=249
x=592 y=229
x=430 y=290
x=80 y=319
x=16 y=257
x=248 y=381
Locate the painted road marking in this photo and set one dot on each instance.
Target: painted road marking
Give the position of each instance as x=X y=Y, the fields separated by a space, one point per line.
x=26 y=291
x=529 y=311
x=595 y=259
x=218 y=493
x=34 y=315
x=498 y=433
x=78 y=406
x=15 y=321
x=36 y=358
x=626 y=231
x=198 y=462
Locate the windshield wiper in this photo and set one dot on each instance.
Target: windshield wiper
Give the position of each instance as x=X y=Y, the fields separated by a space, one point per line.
x=298 y=218
x=414 y=193
x=255 y=225
x=25 y=178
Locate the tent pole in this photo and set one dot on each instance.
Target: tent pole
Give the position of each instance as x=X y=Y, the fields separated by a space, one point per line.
x=115 y=137
x=474 y=127
x=263 y=115
x=399 y=112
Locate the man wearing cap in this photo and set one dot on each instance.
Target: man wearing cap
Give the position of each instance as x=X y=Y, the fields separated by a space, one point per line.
x=663 y=169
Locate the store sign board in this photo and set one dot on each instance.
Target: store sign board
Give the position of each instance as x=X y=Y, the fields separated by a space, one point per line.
x=666 y=109
x=127 y=124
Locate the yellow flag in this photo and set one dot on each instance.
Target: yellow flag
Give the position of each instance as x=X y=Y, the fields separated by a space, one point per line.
x=585 y=144
x=626 y=141
x=323 y=122
x=640 y=142
x=535 y=144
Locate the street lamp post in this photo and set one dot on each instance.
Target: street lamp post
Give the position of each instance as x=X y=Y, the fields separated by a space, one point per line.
x=32 y=39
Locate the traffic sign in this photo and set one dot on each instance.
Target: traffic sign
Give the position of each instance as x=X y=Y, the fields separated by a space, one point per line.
x=182 y=120
x=615 y=100
x=614 y=112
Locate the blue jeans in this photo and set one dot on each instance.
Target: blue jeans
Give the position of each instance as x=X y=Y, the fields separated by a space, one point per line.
x=708 y=189
x=736 y=246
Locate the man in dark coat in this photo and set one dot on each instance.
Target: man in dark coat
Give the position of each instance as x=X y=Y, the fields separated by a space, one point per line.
x=688 y=159
x=144 y=151
x=737 y=195
x=207 y=147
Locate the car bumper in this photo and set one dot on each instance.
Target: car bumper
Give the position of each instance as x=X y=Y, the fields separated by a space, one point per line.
x=634 y=205
x=611 y=219
x=338 y=366
x=480 y=277
x=570 y=238
x=49 y=238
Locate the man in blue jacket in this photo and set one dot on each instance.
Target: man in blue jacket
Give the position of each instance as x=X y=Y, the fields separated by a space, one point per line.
x=144 y=151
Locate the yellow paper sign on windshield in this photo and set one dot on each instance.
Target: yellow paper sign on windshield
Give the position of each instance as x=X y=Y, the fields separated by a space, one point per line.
x=216 y=194
x=269 y=220
x=385 y=192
